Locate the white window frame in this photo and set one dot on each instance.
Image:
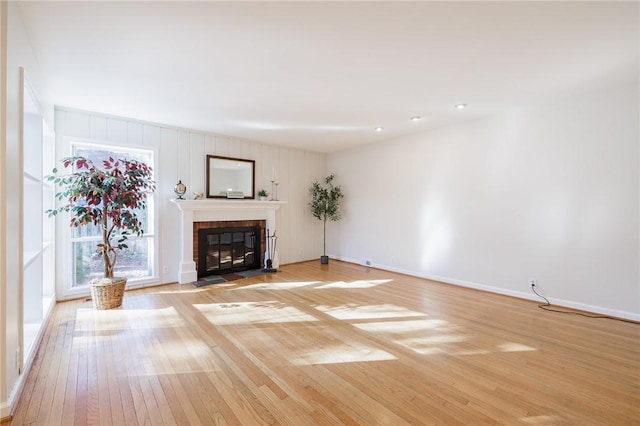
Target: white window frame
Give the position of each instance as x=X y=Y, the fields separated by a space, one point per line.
x=64 y=233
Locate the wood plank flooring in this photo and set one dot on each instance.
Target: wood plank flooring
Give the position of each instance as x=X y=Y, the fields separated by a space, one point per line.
x=330 y=344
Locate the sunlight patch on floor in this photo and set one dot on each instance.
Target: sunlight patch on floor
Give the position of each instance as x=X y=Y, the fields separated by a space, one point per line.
x=402 y=326
x=176 y=358
x=340 y=353
x=118 y=319
x=417 y=335
x=429 y=345
x=473 y=352
x=180 y=352
x=541 y=420
x=277 y=286
x=354 y=311
x=514 y=347
x=489 y=349
x=183 y=289
x=252 y=313
x=354 y=284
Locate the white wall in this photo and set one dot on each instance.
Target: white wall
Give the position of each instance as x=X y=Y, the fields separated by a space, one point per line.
x=549 y=191
x=181 y=156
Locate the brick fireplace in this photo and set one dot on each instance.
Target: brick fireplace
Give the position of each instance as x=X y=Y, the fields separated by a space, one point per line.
x=214 y=210
x=200 y=229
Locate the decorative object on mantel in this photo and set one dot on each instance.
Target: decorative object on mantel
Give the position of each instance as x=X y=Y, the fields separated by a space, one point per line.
x=325 y=205
x=198 y=195
x=270 y=253
x=180 y=189
x=235 y=194
x=263 y=194
x=274 y=184
x=274 y=197
x=108 y=199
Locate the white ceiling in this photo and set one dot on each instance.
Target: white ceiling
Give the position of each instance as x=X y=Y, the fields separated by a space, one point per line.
x=321 y=76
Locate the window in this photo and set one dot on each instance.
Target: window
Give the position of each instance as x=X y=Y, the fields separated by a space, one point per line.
x=137 y=262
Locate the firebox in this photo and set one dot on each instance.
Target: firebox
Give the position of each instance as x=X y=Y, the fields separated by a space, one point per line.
x=225 y=250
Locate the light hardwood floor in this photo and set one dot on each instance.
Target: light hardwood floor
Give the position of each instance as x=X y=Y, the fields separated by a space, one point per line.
x=336 y=344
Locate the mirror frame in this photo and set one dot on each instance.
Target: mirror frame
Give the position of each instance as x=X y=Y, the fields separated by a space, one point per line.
x=211 y=176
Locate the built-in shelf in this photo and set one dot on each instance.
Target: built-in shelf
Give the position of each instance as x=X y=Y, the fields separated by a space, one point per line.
x=28 y=257
x=31 y=179
x=37 y=242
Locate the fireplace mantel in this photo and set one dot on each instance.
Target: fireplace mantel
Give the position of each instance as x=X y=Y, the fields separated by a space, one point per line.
x=216 y=210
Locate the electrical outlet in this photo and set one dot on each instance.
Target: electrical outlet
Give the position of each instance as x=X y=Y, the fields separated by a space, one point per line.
x=533 y=282
x=165 y=269
x=366 y=262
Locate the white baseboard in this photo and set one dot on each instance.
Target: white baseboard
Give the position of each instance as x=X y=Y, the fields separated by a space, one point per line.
x=9 y=406
x=5 y=412
x=519 y=294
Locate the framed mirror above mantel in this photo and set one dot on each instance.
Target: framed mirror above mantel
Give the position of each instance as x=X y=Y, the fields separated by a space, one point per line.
x=229 y=177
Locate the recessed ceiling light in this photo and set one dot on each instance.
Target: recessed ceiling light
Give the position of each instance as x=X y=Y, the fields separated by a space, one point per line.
x=461 y=106
x=416 y=118
x=379 y=129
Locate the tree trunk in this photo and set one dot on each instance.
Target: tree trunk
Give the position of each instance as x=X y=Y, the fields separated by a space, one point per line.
x=324 y=237
x=108 y=265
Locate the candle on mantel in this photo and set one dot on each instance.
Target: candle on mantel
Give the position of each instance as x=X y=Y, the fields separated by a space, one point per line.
x=273 y=174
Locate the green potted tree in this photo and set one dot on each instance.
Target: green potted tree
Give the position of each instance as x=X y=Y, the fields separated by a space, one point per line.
x=108 y=198
x=325 y=205
x=263 y=194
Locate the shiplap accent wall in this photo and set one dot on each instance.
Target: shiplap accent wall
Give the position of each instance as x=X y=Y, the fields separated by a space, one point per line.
x=181 y=155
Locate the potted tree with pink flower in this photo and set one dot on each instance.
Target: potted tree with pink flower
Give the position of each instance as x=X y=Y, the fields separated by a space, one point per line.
x=108 y=197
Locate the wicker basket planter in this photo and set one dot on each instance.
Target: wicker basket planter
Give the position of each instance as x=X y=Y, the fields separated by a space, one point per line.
x=107 y=293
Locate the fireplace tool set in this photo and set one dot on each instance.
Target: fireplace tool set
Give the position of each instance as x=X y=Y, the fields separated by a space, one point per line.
x=272 y=240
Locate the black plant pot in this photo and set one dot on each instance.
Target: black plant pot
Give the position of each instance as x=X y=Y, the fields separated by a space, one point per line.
x=324 y=260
